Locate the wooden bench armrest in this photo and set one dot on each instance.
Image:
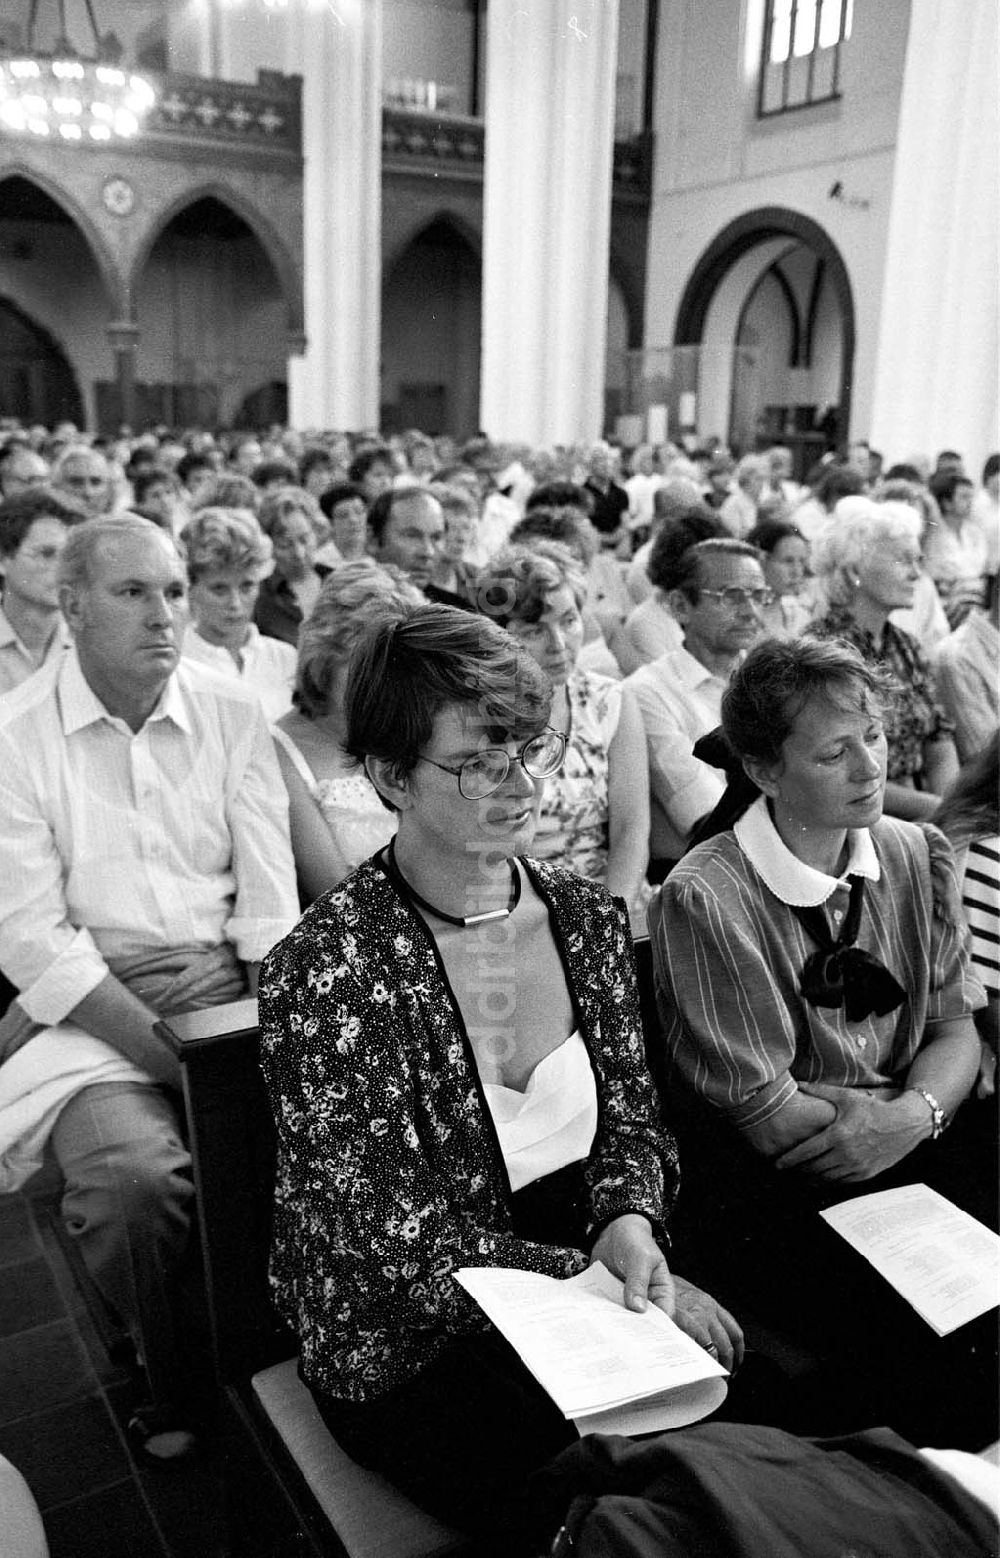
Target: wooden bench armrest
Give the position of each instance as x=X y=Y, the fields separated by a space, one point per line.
x=189 y=1032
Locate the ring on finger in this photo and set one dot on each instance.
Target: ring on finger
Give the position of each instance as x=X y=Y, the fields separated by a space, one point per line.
x=709 y=1347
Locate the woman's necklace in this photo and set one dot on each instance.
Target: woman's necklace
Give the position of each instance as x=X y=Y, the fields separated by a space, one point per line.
x=463 y=920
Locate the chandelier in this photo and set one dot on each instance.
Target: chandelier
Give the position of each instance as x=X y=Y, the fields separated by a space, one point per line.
x=68 y=96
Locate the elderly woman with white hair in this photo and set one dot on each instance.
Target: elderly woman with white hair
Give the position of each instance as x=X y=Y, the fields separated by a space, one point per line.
x=227 y=556
x=740 y=512
x=869 y=565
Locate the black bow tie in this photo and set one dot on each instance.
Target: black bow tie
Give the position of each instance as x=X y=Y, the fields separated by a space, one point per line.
x=841 y=974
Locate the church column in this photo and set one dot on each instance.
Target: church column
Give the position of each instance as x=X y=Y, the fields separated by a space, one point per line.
x=936 y=370
x=123 y=335
x=550 y=101
x=338 y=51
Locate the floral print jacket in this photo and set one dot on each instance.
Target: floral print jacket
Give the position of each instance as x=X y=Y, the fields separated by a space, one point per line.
x=915 y=716
x=390 y=1175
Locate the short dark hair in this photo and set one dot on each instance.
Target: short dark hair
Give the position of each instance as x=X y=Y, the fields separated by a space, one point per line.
x=769 y=532
x=376 y=454
x=148 y=476
x=560 y=495
x=567 y=526
x=991 y=467
x=18 y=514
x=191 y=462
x=269 y=471
x=836 y=482
x=410 y=666
x=311 y=457
x=766 y=694
x=903 y=472
x=340 y=492
x=381 y=511
x=689 y=569
x=675 y=537
x=944 y=484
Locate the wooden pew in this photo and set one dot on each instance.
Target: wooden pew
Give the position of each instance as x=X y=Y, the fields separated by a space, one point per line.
x=289 y=1486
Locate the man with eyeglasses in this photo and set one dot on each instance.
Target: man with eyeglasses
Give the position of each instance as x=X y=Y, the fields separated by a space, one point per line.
x=717 y=594
x=33 y=530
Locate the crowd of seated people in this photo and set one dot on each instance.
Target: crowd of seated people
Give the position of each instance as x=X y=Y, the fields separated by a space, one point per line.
x=179 y=645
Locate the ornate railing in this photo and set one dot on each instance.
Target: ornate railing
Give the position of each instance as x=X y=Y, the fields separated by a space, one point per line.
x=264 y=113
x=416 y=141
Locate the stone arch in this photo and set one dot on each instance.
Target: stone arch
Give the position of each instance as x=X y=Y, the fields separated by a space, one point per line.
x=738 y=239
x=112 y=280
x=432 y=327
x=285 y=267
x=424 y=223
x=61 y=389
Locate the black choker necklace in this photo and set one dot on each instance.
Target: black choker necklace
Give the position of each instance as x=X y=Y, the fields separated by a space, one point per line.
x=464 y=920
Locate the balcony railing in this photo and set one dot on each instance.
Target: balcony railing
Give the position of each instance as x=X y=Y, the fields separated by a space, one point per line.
x=417 y=141
x=265 y=113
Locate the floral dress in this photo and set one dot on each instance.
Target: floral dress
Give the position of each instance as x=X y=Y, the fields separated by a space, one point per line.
x=390 y=1174
x=573 y=820
x=915 y=716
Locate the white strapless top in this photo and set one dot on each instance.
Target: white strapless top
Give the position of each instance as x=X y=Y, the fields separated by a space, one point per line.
x=359 y=823
x=553 y=1122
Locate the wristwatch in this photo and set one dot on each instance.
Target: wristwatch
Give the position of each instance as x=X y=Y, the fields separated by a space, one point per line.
x=939 y=1118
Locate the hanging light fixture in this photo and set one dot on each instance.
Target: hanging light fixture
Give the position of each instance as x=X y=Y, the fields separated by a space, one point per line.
x=71 y=97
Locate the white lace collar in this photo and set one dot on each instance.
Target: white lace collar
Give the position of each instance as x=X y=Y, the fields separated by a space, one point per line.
x=788 y=877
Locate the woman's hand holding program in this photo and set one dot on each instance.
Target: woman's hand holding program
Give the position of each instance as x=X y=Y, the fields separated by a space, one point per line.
x=628 y=1249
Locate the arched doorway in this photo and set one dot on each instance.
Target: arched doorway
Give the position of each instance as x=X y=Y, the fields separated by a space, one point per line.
x=37 y=383
x=212 y=319
x=54 y=308
x=767 y=319
x=431 y=325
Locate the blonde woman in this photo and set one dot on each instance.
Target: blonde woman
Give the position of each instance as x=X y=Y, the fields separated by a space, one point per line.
x=594 y=813
x=227 y=556
x=336 y=817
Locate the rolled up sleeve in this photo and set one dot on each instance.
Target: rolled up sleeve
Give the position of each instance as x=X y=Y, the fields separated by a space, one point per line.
x=51 y=962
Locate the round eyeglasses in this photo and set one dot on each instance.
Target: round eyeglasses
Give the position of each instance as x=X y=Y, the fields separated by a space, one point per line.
x=485 y=771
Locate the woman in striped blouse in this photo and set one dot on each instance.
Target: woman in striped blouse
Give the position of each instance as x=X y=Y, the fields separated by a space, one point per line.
x=818 y=1008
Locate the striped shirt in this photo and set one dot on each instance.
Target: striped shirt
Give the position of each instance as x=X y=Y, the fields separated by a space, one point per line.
x=729 y=951
x=981 y=901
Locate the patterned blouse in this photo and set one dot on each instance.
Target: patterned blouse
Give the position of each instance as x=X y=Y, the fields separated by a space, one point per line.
x=573 y=820
x=390 y=1174
x=915 y=716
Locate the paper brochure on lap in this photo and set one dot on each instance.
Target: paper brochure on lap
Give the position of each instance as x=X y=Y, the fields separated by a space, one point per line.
x=608 y=1369
x=945 y=1263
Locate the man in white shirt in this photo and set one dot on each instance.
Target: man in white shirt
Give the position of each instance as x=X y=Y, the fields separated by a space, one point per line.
x=967 y=668
x=147 y=869
x=717 y=597
x=33 y=530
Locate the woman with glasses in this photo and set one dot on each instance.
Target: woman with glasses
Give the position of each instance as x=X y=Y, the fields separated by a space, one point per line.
x=594 y=813
x=452 y=1045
